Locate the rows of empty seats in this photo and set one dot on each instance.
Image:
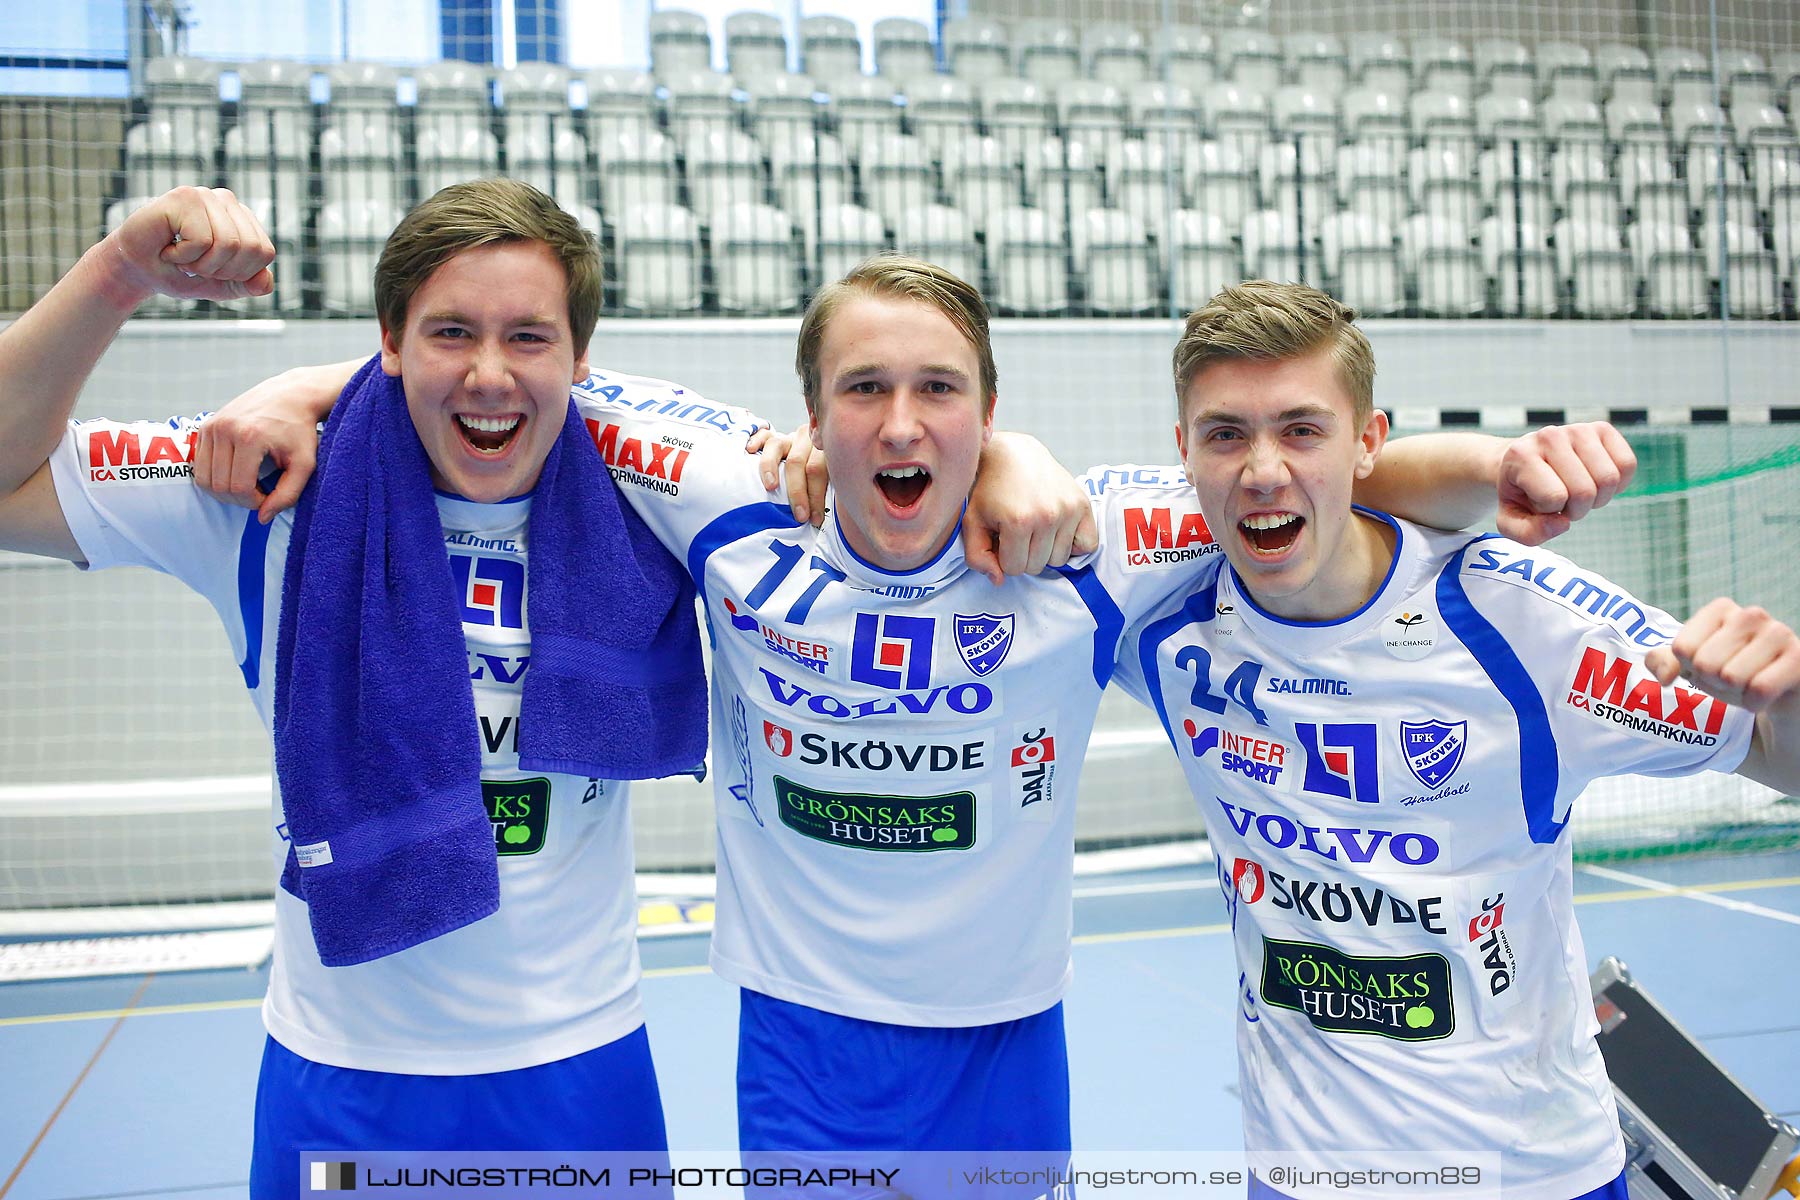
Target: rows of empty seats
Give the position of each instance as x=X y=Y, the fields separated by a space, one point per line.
x=1051 y=52
x=1096 y=191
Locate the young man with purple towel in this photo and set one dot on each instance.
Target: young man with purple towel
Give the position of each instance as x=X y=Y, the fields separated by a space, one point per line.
x=455 y=959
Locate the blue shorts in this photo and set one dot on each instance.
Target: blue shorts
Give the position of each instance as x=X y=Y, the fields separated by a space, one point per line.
x=1610 y=1191
x=605 y=1099
x=810 y=1080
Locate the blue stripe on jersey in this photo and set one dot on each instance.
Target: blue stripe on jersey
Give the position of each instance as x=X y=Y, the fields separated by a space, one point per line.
x=251 y=549
x=1109 y=622
x=1197 y=607
x=1537 y=744
x=729 y=527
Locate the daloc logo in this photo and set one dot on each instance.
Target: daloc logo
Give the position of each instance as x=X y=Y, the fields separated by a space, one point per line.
x=983 y=640
x=1433 y=749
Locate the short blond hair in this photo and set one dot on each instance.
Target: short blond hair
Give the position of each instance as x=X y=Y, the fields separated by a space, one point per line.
x=1270 y=322
x=484 y=212
x=897 y=277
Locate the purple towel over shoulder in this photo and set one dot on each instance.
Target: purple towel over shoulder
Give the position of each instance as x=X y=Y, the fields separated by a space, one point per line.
x=391 y=820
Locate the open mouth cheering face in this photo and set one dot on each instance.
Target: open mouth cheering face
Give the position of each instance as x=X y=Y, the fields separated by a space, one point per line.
x=1273 y=449
x=487 y=359
x=902 y=421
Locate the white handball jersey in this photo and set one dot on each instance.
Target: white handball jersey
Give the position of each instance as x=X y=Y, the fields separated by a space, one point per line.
x=895 y=755
x=555 y=971
x=1388 y=798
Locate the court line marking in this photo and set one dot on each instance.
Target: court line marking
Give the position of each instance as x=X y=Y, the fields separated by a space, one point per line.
x=1654 y=891
x=79 y=1079
x=1657 y=885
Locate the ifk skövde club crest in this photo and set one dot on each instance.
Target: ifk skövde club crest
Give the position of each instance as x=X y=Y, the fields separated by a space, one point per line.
x=983 y=640
x=1433 y=749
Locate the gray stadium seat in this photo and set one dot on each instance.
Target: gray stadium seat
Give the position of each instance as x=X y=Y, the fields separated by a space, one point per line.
x=896 y=176
x=1441 y=115
x=636 y=168
x=1443 y=182
x=1049 y=53
x=977 y=49
x=847 y=235
x=1156 y=108
x=351 y=235
x=1568 y=119
x=753 y=260
x=829 y=48
x=1760 y=123
x=1296 y=179
x=755 y=44
x=1745 y=271
x=903 y=48
x=1672 y=270
x=864 y=110
x=679 y=41
x=1091 y=114
x=1236 y=114
x=1114 y=256
x=1369 y=113
x=699 y=102
x=1063 y=180
x=1566 y=71
x=1443 y=64
x=1624 y=73
x=1317 y=61
x=1115 y=53
x=1357 y=252
x=1205 y=258
x=1184 y=55
x=359 y=152
x=940 y=109
x=1220 y=181
x=1591 y=256
x=1300 y=111
x=1629 y=119
x=1018 y=114
x=619 y=100
x=1504 y=67
x=1380 y=62
x=1251 y=59
x=783 y=108
x=1370 y=179
x=1682 y=75
x=1517 y=261
x=981 y=179
x=724 y=170
x=811 y=175
x=940 y=234
x=1444 y=266
x=1030 y=267
x=1717 y=184
x=1698 y=119
x=1143 y=179
x=659 y=249
x=1275 y=247
x=1499 y=116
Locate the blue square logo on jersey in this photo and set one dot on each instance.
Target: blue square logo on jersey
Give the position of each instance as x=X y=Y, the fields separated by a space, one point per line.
x=493 y=589
x=892 y=651
x=1433 y=749
x=983 y=640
